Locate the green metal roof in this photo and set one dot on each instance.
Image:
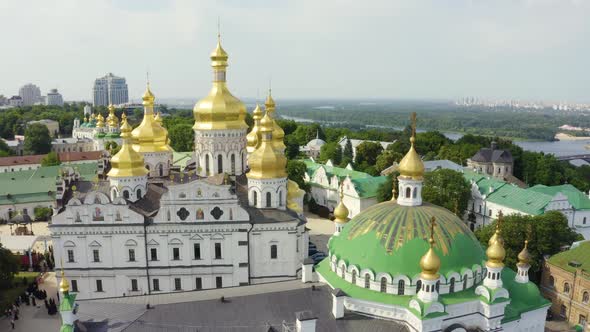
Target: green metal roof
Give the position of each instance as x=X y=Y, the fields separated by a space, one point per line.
x=576 y=198
x=368 y=187
x=580 y=254
x=364 y=184
x=37 y=185
x=527 y=201
x=67 y=303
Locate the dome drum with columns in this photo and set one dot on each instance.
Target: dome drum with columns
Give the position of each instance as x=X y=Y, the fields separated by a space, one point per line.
x=419 y=264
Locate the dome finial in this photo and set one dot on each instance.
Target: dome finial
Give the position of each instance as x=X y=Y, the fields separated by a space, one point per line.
x=430 y=262
x=411 y=166
x=64 y=286
x=341 y=211
x=496 y=252
x=394 y=190
x=524 y=257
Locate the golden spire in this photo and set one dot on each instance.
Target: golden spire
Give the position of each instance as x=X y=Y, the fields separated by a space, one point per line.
x=150 y=136
x=278 y=134
x=253 y=138
x=411 y=166
x=524 y=257
x=496 y=236
x=64 y=285
x=220 y=109
x=341 y=211
x=394 y=190
x=265 y=162
x=430 y=262
x=127 y=162
x=496 y=252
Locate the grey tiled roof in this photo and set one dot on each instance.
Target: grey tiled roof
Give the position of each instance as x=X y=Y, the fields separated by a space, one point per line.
x=494 y=156
x=257 y=313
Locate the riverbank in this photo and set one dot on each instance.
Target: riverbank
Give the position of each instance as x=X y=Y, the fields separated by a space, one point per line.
x=568 y=137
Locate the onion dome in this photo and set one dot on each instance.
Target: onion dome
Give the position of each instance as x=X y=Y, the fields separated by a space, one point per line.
x=430 y=262
x=524 y=257
x=265 y=162
x=341 y=211
x=64 y=285
x=220 y=109
x=112 y=119
x=99 y=121
x=127 y=162
x=293 y=194
x=496 y=252
x=497 y=234
x=411 y=166
x=150 y=136
x=278 y=134
x=253 y=138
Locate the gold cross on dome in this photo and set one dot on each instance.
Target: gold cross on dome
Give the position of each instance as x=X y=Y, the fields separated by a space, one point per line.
x=432 y=224
x=413 y=119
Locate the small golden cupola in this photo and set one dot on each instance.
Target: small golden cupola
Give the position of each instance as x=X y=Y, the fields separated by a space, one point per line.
x=64 y=285
x=524 y=257
x=278 y=134
x=127 y=162
x=99 y=121
x=150 y=136
x=411 y=166
x=220 y=109
x=430 y=262
x=112 y=119
x=341 y=211
x=496 y=252
x=253 y=138
x=265 y=162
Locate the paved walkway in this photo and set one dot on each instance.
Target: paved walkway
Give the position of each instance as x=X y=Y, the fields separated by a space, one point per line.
x=318 y=225
x=36 y=319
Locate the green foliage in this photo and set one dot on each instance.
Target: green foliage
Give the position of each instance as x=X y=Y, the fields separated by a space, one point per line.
x=296 y=171
x=386 y=159
x=331 y=151
x=4 y=149
x=548 y=234
x=51 y=159
x=347 y=153
x=366 y=153
x=447 y=188
x=37 y=139
x=181 y=137
x=42 y=213
x=112 y=147
x=8 y=267
x=384 y=192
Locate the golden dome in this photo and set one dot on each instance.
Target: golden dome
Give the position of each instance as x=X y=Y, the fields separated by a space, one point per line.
x=112 y=119
x=294 y=192
x=524 y=257
x=411 y=166
x=497 y=234
x=99 y=121
x=220 y=109
x=265 y=162
x=127 y=162
x=278 y=134
x=64 y=285
x=341 y=211
x=253 y=138
x=496 y=252
x=150 y=136
x=430 y=262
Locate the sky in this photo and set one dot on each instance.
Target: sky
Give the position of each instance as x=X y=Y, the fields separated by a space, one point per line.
x=369 y=49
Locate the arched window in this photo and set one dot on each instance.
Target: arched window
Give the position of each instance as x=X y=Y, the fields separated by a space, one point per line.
x=342 y=271
x=353 y=277
x=207 y=169
x=367 y=281
x=465 y=282
x=408 y=192
x=280 y=198
x=255 y=198
x=268 y=199
x=418 y=286
x=138 y=193
x=551 y=281
x=566 y=288
x=415 y=192
x=585 y=297
x=437 y=286
x=452 y=285
x=125 y=194
x=584 y=221
x=233 y=164
x=401 y=285
x=219 y=164
x=383 y=285
x=273 y=251
x=161 y=170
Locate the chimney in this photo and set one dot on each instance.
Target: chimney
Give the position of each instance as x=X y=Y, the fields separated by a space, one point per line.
x=306 y=321
x=307 y=270
x=338 y=297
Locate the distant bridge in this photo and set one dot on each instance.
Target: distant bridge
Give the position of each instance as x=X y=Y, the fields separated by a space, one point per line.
x=585 y=157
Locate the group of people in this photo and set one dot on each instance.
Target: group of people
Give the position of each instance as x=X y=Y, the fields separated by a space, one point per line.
x=30 y=296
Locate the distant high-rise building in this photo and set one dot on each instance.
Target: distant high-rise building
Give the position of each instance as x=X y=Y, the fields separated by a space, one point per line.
x=54 y=98
x=30 y=93
x=110 y=89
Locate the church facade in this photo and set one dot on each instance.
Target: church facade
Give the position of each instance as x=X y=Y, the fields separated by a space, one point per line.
x=230 y=218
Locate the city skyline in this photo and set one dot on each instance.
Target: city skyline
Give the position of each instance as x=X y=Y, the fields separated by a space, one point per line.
x=531 y=50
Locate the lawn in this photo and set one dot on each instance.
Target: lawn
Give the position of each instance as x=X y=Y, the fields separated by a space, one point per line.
x=7 y=296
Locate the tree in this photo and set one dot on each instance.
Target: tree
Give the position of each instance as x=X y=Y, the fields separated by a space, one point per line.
x=546 y=233
x=8 y=267
x=181 y=137
x=37 y=139
x=51 y=159
x=386 y=159
x=367 y=152
x=42 y=213
x=291 y=147
x=296 y=171
x=384 y=192
x=5 y=150
x=347 y=153
x=447 y=188
x=331 y=151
